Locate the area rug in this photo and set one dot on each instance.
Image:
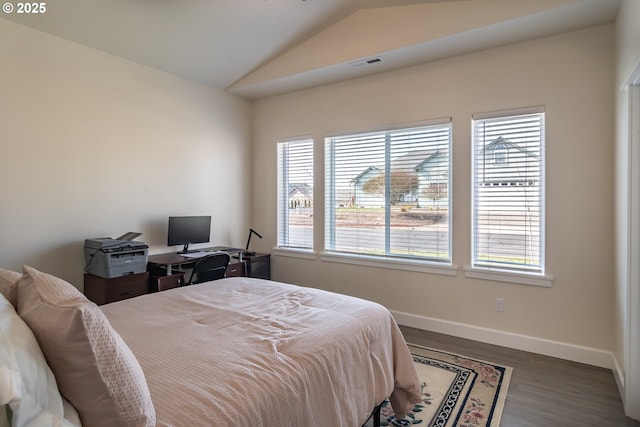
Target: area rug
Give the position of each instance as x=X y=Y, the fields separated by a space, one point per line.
x=456 y=391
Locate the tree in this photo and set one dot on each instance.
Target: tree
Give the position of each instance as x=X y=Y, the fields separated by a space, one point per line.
x=436 y=191
x=401 y=183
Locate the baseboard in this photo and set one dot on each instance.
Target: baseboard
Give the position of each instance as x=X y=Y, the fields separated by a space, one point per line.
x=561 y=350
x=618 y=375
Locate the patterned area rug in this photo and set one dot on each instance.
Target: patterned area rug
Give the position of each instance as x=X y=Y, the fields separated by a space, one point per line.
x=456 y=391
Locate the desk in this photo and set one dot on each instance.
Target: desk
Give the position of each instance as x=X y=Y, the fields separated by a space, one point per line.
x=256 y=265
x=168 y=260
x=164 y=276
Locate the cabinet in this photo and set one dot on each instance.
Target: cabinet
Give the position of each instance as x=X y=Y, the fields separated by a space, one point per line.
x=159 y=280
x=258 y=265
x=162 y=283
x=237 y=269
x=103 y=291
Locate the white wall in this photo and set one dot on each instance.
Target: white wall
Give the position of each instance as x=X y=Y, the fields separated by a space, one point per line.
x=572 y=75
x=626 y=325
x=92 y=145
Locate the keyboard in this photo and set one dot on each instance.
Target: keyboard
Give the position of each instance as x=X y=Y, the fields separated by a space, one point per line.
x=198 y=254
x=224 y=249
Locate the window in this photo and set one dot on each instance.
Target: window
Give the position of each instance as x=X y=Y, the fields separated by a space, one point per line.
x=508 y=192
x=295 y=194
x=387 y=193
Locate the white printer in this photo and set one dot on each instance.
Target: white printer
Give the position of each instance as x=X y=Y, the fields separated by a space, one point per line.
x=107 y=257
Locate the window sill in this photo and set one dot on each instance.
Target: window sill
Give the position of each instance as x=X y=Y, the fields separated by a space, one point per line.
x=509 y=277
x=294 y=253
x=392 y=263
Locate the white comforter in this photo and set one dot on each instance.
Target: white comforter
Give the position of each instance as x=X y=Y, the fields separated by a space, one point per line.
x=251 y=352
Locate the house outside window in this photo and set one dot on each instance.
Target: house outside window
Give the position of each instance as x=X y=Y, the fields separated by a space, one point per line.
x=508 y=192
x=387 y=193
x=295 y=194
x=500 y=151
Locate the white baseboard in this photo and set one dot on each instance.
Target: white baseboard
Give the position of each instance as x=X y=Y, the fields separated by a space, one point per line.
x=618 y=375
x=561 y=350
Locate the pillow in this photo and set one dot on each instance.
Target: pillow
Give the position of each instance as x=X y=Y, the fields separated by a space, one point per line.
x=27 y=385
x=8 y=281
x=96 y=371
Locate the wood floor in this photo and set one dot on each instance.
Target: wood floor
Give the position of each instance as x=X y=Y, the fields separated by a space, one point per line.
x=544 y=391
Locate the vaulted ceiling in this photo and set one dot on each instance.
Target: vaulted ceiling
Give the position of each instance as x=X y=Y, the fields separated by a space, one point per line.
x=257 y=48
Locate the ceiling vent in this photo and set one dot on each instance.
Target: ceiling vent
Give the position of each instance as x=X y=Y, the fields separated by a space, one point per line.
x=367 y=61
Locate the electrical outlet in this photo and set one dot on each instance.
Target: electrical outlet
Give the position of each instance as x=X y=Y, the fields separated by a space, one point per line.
x=499 y=304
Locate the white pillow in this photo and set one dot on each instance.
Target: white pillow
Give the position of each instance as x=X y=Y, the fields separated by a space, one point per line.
x=27 y=385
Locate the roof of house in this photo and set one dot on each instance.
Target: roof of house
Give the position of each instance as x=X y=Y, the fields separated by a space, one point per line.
x=305 y=189
x=510 y=145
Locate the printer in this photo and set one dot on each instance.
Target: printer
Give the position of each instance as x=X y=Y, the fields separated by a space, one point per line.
x=108 y=258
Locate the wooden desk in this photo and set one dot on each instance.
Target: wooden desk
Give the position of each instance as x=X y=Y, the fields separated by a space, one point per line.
x=256 y=265
x=171 y=259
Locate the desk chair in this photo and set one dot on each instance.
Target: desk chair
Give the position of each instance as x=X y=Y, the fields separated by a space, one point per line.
x=209 y=267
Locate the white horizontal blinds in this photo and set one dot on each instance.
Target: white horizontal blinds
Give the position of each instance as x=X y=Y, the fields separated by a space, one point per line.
x=508 y=192
x=388 y=193
x=355 y=213
x=295 y=194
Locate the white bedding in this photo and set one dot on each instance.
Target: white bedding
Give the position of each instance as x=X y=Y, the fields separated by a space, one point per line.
x=242 y=351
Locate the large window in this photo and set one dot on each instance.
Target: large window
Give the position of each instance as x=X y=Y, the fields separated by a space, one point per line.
x=508 y=191
x=388 y=192
x=295 y=194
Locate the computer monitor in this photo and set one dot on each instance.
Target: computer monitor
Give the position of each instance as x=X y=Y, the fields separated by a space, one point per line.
x=185 y=230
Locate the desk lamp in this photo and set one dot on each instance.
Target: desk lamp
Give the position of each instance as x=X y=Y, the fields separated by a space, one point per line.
x=246 y=249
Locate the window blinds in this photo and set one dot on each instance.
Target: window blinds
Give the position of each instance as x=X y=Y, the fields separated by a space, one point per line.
x=295 y=194
x=508 y=192
x=387 y=193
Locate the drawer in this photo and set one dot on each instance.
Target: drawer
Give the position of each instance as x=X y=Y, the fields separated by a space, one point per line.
x=235 y=270
x=162 y=283
x=126 y=287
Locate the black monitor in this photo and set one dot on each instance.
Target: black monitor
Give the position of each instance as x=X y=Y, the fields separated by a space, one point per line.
x=185 y=230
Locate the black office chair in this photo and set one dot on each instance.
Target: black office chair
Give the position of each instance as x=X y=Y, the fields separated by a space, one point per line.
x=209 y=267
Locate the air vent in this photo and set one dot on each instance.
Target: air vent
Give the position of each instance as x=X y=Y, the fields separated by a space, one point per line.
x=367 y=61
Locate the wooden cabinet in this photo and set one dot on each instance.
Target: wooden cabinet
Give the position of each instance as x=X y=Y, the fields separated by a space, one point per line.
x=258 y=266
x=159 y=280
x=237 y=269
x=103 y=291
x=162 y=283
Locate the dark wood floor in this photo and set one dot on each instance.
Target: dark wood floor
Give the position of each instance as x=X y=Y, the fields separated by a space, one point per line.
x=544 y=391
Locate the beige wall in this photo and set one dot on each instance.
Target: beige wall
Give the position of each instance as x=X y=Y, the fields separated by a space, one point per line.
x=92 y=146
x=572 y=75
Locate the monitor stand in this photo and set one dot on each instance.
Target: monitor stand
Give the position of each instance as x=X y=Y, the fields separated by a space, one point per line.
x=186 y=250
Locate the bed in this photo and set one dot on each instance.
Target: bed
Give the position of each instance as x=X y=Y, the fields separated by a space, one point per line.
x=233 y=352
